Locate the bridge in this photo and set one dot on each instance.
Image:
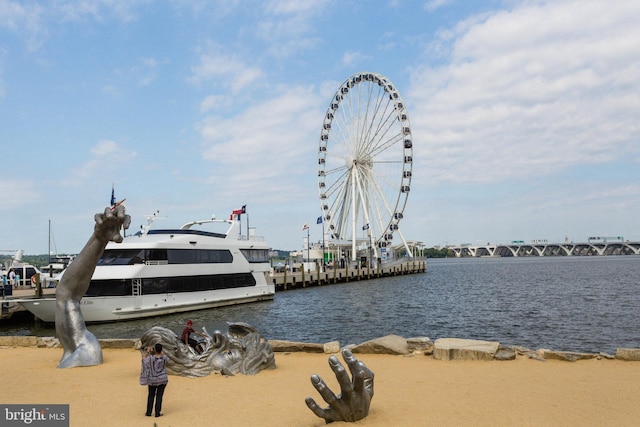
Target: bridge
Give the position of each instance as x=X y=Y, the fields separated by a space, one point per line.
x=542 y=248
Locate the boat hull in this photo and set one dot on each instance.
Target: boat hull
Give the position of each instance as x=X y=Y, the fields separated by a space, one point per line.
x=112 y=309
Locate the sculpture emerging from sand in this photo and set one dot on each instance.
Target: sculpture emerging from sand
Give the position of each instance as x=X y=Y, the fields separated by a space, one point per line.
x=352 y=404
x=81 y=347
x=242 y=350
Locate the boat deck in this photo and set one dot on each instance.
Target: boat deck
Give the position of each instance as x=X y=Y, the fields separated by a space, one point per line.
x=21 y=292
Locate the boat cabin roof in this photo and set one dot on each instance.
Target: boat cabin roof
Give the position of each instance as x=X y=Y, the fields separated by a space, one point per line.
x=188 y=231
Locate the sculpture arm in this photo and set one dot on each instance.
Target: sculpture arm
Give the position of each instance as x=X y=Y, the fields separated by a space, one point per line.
x=70 y=325
x=355 y=398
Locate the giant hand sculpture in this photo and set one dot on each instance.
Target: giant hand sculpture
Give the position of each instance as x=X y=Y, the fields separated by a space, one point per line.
x=81 y=347
x=242 y=350
x=352 y=404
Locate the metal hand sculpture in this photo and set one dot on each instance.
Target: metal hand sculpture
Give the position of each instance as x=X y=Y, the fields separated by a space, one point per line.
x=242 y=350
x=352 y=404
x=81 y=347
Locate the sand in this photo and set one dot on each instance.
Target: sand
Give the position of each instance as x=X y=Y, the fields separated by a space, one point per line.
x=409 y=391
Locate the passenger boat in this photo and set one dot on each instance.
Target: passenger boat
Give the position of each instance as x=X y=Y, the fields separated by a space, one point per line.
x=158 y=272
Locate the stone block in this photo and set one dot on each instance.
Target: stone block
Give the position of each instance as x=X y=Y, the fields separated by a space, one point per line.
x=420 y=344
x=292 y=346
x=505 y=353
x=48 y=342
x=464 y=349
x=332 y=347
x=19 y=341
x=568 y=356
x=630 y=354
x=117 y=343
x=390 y=344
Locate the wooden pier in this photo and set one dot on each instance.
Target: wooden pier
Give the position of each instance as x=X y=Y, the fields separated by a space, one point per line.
x=303 y=279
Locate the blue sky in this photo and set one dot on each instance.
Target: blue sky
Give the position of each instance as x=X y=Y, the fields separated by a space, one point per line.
x=525 y=114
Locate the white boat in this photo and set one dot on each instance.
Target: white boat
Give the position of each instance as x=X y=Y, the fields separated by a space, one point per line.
x=157 y=272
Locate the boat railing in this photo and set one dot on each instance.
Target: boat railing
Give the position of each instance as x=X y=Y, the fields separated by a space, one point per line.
x=157 y=262
x=252 y=238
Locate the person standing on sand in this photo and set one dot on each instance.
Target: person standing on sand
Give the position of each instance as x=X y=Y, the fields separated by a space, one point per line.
x=156 y=378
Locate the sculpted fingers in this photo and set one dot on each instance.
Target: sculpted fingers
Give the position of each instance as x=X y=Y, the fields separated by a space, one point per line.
x=363 y=379
x=322 y=413
x=341 y=376
x=127 y=221
x=322 y=388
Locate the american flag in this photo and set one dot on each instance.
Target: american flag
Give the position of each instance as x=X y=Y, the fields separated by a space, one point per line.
x=305 y=226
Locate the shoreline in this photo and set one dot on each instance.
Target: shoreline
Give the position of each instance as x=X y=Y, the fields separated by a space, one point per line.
x=409 y=390
x=441 y=349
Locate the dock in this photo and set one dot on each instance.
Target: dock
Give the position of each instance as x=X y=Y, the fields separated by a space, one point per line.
x=288 y=280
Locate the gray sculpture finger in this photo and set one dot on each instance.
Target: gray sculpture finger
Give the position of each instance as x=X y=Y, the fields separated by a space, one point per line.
x=322 y=388
x=350 y=360
x=346 y=388
x=363 y=379
x=322 y=413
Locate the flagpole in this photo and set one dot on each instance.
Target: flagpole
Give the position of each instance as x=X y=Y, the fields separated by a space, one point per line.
x=323 y=244
x=308 y=245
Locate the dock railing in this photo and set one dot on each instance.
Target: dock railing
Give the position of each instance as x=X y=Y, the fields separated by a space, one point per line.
x=303 y=279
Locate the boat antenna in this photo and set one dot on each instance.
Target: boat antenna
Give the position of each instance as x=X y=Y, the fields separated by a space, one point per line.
x=144 y=229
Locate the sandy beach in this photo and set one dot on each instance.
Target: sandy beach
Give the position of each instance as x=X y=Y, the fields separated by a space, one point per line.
x=409 y=391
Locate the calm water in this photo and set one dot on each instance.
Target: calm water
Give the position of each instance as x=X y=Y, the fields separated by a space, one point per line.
x=578 y=304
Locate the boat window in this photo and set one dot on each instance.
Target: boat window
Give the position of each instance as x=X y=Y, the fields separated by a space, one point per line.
x=156 y=255
x=156 y=285
x=196 y=283
x=199 y=256
x=122 y=257
x=117 y=287
x=256 y=255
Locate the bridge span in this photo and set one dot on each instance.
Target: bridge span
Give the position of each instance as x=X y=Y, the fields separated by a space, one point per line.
x=546 y=249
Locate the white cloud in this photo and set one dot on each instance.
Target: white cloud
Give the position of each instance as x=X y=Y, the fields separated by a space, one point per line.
x=211 y=102
x=436 y=4
x=531 y=91
x=225 y=69
x=19 y=193
x=351 y=58
x=95 y=9
x=25 y=21
x=287 y=26
x=105 y=157
x=263 y=144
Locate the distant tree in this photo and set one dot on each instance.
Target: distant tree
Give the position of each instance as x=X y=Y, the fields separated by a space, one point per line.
x=439 y=253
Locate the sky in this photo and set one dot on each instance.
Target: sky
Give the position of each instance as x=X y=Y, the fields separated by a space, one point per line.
x=525 y=114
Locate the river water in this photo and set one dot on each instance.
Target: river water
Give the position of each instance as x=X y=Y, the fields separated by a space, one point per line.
x=587 y=304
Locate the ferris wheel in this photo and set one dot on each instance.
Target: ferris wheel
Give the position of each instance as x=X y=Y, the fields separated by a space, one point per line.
x=365 y=157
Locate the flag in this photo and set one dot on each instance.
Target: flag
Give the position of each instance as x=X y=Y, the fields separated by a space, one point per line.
x=305 y=226
x=237 y=211
x=244 y=209
x=113 y=195
x=365 y=227
x=319 y=221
